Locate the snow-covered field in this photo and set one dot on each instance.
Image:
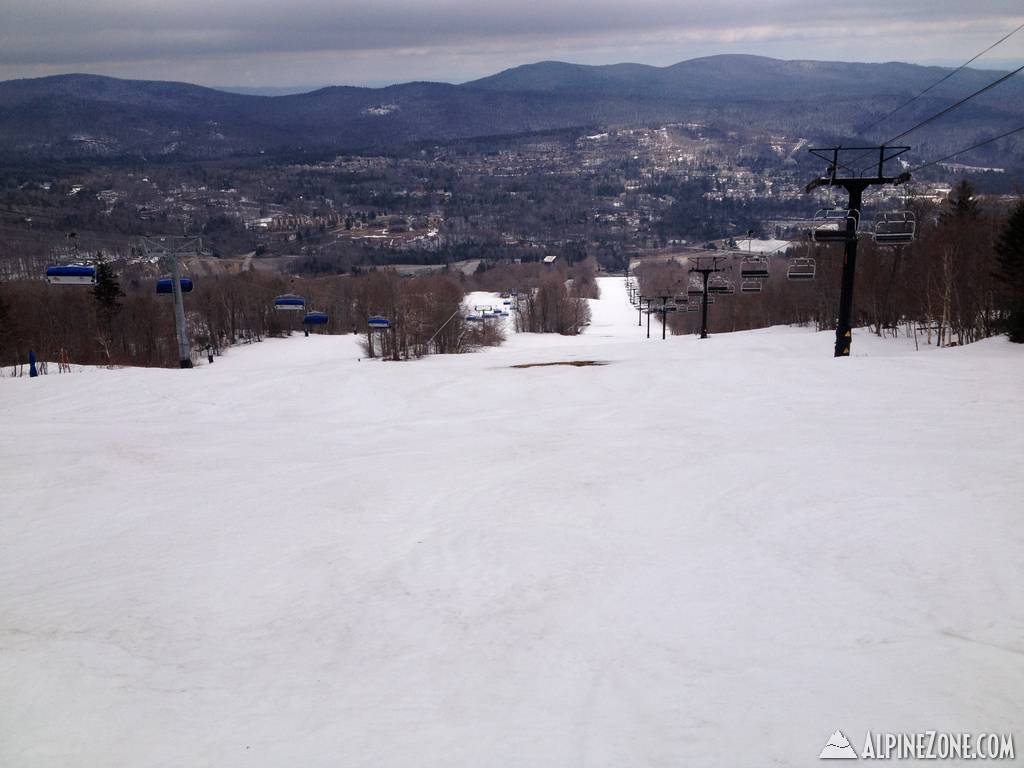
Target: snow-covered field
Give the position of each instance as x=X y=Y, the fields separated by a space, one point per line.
x=763 y=246
x=703 y=553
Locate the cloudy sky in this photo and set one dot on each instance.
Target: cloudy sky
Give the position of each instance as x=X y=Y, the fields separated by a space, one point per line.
x=309 y=43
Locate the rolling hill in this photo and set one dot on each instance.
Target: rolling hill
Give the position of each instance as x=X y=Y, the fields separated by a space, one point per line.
x=89 y=116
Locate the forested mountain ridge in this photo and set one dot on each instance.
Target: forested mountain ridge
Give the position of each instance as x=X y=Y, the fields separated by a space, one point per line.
x=90 y=116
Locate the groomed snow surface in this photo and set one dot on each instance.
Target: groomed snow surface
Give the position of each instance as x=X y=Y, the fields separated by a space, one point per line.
x=703 y=553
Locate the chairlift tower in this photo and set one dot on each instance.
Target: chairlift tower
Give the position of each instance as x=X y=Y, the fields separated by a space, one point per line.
x=854 y=184
x=648 y=299
x=663 y=310
x=705 y=266
x=169 y=249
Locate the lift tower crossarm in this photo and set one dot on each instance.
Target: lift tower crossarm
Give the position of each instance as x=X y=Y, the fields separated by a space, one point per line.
x=854 y=184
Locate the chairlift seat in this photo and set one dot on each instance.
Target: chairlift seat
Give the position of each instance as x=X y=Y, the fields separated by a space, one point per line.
x=895 y=228
x=754 y=269
x=290 y=302
x=71 y=274
x=832 y=225
x=166 y=285
x=720 y=285
x=802 y=268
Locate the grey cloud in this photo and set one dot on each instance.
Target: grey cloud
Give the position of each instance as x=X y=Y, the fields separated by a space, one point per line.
x=54 y=35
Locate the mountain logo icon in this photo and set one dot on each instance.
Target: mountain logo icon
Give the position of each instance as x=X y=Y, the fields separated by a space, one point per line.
x=838 y=748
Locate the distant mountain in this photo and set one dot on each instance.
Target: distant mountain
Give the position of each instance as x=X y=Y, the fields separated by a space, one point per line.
x=737 y=77
x=88 y=116
x=265 y=90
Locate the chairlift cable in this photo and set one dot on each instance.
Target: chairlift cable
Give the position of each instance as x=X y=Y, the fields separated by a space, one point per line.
x=941 y=80
x=951 y=107
x=968 y=149
x=937 y=115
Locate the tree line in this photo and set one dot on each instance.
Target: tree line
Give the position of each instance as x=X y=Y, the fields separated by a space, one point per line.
x=122 y=321
x=960 y=280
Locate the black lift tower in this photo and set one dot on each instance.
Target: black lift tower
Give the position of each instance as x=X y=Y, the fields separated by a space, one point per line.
x=854 y=184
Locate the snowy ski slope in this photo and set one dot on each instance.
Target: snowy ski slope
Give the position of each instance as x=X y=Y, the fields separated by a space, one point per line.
x=703 y=553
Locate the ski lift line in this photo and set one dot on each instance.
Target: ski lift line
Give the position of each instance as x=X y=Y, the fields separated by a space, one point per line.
x=937 y=115
x=941 y=80
x=441 y=328
x=951 y=107
x=968 y=149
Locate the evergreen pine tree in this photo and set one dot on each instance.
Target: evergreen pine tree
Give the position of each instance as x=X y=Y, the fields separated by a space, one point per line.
x=1010 y=260
x=961 y=205
x=107 y=290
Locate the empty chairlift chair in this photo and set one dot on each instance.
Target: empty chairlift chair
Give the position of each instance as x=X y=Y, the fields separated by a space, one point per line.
x=71 y=274
x=695 y=287
x=166 y=285
x=831 y=225
x=315 y=318
x=750 y=286
x=801 y=268
x=289 y=302
x=720 y=284
x=894 y=228
x=754 y=268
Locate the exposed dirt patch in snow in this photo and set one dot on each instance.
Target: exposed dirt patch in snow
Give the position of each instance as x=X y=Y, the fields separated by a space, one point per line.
x=576 y=363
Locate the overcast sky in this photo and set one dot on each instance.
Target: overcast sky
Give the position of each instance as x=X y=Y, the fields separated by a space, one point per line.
x=309 y=43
